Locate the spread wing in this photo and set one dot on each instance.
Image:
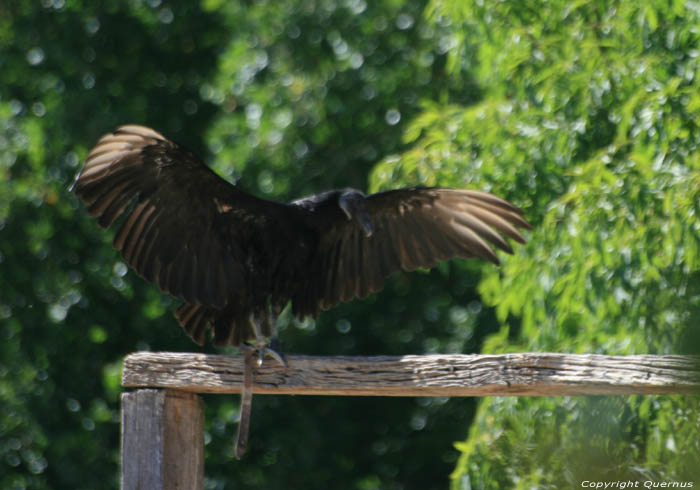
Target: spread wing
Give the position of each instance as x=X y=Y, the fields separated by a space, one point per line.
x=181 y=219
x=412 y=228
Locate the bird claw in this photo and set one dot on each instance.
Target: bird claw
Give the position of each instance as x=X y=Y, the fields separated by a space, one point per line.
x=264 y=351
x=267 y=352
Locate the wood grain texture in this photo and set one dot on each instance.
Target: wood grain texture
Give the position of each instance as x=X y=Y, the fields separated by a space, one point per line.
x=162 y=440
x=525 y=374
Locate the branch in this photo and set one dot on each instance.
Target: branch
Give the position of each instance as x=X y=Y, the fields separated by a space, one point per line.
x=526 y=374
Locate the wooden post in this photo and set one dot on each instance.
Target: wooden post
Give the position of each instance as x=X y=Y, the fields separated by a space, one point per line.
x=162 y=429
x=162 y=440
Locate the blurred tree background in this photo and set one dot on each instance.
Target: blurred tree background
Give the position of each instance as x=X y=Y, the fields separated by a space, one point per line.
x=585 y=114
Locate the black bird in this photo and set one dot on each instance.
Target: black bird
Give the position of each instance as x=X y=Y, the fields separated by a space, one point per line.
x=236 y=260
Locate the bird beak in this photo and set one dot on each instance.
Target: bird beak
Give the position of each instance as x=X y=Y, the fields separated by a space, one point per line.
x=366 y=224
x=354 y=207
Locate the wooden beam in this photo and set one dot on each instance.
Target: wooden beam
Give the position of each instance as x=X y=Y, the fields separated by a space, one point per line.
x=527 y=374
x=162 y=441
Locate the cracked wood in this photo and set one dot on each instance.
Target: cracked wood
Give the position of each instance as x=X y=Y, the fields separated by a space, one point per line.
x=524 y=374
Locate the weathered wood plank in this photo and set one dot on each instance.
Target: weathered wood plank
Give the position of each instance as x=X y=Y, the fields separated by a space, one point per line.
x=526 y=374
x=162 y=440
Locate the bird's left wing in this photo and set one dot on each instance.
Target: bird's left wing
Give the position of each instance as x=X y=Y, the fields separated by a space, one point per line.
x=180 y=220
x=412 y=228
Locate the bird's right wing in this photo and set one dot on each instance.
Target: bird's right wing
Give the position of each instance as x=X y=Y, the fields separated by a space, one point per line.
x=180 y=217
x=412 y=228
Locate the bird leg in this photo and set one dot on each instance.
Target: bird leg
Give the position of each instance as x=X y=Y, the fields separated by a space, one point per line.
x=261 y=343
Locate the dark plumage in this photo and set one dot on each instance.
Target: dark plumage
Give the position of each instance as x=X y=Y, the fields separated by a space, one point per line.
x=236 y=260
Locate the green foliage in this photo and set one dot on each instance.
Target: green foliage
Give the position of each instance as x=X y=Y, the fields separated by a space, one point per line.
x=584 y=113
x=591 y=115
x=299 y=83
x=291 y=98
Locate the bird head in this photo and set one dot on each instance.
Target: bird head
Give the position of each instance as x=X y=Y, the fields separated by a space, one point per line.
x=354 y=206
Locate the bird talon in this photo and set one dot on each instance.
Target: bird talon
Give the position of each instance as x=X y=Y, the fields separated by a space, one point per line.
x=267 y=352
x=264 y=351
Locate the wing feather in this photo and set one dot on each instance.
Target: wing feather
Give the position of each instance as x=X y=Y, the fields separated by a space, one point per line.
x=352 y=257
x=170 y=202
x=330 y=296
x=412 y=228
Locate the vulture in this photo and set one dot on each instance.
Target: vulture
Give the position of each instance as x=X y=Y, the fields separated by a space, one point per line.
x=236 y=260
